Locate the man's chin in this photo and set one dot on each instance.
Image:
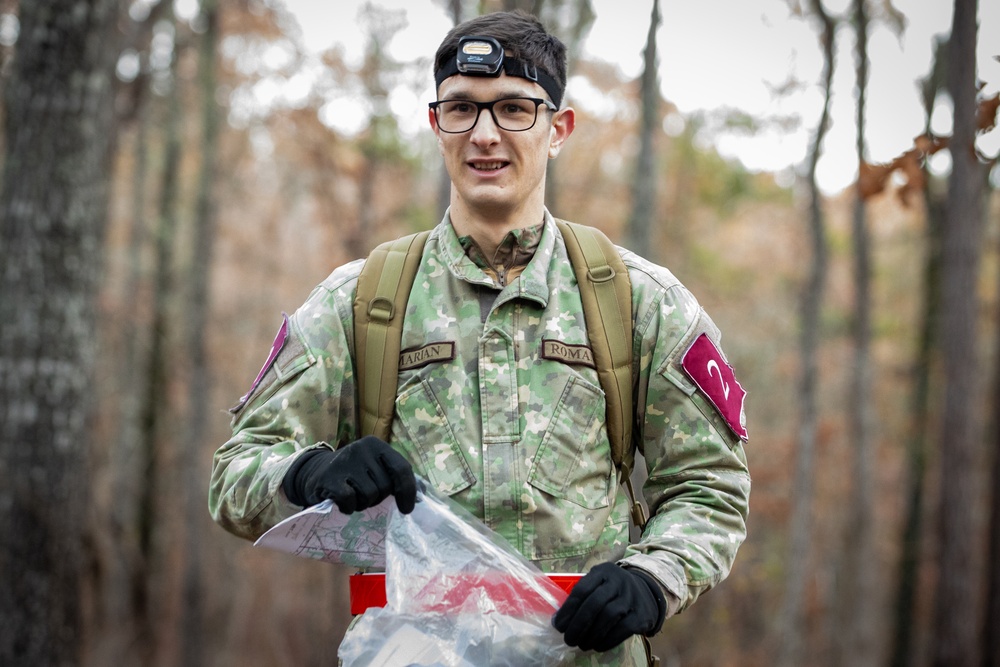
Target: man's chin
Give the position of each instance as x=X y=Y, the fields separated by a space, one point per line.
x=491 y=204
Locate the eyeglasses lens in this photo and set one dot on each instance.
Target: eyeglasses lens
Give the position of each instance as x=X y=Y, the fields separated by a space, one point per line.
x=514 y=114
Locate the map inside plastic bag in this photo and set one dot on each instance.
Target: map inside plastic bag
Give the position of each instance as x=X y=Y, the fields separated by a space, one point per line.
x=458 y=595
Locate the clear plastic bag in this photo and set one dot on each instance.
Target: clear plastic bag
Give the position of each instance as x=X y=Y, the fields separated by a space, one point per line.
x=457 y=596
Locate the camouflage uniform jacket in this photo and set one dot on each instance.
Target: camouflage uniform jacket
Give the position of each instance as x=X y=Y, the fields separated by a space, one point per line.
x=498 y=407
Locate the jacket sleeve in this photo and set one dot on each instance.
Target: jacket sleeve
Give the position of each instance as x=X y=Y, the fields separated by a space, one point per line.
x=305 y=400
x=698 y=482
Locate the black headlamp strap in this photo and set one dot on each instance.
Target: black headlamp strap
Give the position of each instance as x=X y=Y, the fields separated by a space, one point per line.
x=513 y=67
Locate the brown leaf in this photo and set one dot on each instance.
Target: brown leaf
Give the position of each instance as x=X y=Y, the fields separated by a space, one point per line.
x=872 y=178
x=986 y=115
x=928 y=144
x=910 y=164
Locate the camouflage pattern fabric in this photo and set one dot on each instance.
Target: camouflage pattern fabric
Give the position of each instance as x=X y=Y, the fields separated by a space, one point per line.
x=511 y=257
x=499 y=408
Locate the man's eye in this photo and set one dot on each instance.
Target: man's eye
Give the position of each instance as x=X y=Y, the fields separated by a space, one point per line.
x=513 y=108
x=459 y=107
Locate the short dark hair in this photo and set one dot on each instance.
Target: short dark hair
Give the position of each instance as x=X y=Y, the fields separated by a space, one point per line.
x=520 y=34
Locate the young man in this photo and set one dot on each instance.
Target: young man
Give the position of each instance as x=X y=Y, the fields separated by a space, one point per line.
x=495 y=413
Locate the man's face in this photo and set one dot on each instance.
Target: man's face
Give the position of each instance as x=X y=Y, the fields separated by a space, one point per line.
x=496 y=172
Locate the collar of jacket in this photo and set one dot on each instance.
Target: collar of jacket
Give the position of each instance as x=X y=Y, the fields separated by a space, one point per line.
x=534 y=280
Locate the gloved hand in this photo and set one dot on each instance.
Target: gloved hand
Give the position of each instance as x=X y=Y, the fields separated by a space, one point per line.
x=609 y=605
x=356 y=477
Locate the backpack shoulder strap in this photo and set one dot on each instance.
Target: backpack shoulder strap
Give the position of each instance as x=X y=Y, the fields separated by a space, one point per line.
x=606 y=292
x=379 y=307
x=607 y=308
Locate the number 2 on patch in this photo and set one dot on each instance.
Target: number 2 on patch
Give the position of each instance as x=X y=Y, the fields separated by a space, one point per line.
x=725 y=385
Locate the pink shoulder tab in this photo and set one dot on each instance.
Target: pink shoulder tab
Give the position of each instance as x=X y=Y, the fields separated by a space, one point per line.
x=708 y=369
x=276 y=347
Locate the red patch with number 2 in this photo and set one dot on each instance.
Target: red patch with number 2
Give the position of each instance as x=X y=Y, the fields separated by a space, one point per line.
x=276 y=346
x=709 y=370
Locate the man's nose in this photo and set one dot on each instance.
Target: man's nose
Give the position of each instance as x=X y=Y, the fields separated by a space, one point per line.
x=485 y=129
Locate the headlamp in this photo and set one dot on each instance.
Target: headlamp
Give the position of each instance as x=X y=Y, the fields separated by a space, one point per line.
x=479 y=56
x=484 y=56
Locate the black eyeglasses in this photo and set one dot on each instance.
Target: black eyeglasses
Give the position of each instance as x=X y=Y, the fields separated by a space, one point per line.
x=514 y=114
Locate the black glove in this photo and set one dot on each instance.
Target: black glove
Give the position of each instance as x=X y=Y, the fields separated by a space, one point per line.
x=356 y=476
x=609 y=605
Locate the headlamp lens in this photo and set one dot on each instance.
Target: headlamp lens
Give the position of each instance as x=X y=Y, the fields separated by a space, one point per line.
x=477 y=48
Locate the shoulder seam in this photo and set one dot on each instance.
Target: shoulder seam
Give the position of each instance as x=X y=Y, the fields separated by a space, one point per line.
x=350 y=272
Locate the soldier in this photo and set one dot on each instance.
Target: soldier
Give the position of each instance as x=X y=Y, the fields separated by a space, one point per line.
x=499 y=404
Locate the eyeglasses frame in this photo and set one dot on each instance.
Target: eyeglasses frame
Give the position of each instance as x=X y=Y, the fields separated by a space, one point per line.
x=481 y=106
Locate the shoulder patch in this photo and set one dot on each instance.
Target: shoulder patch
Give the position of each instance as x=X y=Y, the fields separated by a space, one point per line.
x=279 y=342
x=713 y=375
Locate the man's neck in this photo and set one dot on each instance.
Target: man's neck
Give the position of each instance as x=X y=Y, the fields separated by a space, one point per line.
x=489 y=228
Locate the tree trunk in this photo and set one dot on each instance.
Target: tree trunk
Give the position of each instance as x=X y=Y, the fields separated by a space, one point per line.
x=583 y=13
x=959 y=588
x=155 y=401
x=991 y=645
x=907 y=585
x=199 y=394
x=991 y=634
x=791 y=622
x=644 y=180
x=859 y=601
x=54 y=205
x=123 y=567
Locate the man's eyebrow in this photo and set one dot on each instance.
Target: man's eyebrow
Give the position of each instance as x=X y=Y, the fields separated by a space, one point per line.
x=467 y=96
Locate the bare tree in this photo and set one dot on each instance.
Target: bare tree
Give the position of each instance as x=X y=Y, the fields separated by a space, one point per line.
x=791 y=622
x=857 y=605
x=151 y=450
x=644 y=180
x=193 y=472
x=959 y=588
x=59 y=130
x=991 y=634
x=907 y=584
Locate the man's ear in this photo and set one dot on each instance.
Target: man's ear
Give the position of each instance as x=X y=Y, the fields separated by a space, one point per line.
x=432 y=119
x=562 y=126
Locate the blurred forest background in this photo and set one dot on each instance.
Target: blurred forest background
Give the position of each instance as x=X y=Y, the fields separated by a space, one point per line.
x=150 y=237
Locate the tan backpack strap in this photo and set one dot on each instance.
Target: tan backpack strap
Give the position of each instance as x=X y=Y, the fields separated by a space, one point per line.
x=606 y=293
x=379 y=308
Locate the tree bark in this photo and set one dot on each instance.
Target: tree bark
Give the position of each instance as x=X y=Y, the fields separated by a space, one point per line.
x=991 y=628
x=959 y=589
x=791 y=622
x=155 y=401
x=199 y=393
x=123 y=567
x=991 y=635
x=858 y=603
x=644 y=180
x=905 y=617
x=59 y=134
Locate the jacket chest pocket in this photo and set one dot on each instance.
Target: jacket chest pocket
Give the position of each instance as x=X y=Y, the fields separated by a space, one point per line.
x=424 y=434
x=573 y=461
x=568 y=484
